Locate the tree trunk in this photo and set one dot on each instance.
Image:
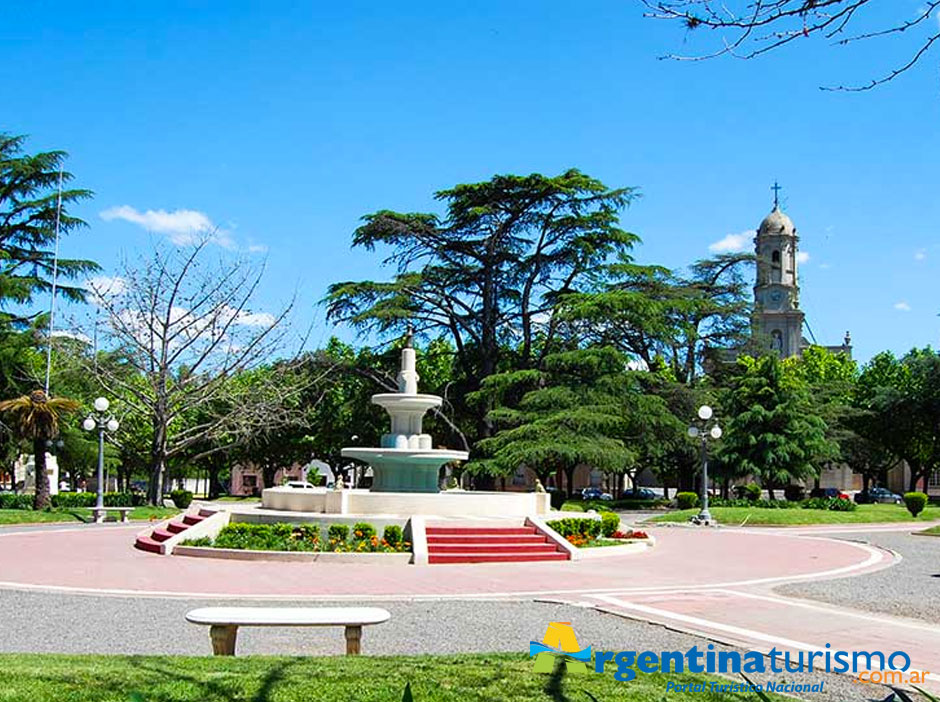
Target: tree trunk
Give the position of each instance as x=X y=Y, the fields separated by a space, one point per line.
x=269 y=472
x=157 y=462
x=41 y=500
x=569 y=479
x=215 y=489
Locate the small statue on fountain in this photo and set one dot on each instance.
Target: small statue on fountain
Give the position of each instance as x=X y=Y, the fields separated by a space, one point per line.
x=538 y=486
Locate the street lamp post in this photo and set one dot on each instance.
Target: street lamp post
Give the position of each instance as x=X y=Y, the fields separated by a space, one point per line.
x=102 y=421
x=704 y=431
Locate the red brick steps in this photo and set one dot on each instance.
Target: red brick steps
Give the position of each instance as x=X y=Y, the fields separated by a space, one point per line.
x=490 y=545
x=153 y=542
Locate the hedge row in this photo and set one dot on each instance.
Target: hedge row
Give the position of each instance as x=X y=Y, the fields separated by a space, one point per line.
x=73 y=500
x=87 y=499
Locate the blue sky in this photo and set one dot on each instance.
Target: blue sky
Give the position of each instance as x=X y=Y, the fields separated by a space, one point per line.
x=283 y=124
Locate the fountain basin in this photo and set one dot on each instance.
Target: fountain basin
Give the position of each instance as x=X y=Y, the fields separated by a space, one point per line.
x=404 y=469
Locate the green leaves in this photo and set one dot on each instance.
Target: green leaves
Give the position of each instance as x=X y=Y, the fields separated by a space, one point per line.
x=773 y=430
x=28 y=209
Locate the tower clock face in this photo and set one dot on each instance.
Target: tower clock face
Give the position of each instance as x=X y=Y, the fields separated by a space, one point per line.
x=775 y=298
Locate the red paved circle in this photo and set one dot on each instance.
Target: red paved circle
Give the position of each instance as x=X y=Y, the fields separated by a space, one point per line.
x=97 y=560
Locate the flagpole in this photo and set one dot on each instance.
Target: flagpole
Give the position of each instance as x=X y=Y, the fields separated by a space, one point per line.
x=55 y=274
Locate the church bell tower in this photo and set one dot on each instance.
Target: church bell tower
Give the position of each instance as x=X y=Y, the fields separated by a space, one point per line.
x=778 y=319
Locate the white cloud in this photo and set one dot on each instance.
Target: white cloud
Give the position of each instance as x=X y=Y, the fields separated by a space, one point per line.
x=254 y=319
x=825 y=266
x=182 y=227
x=733 y=243
x=902 y=306
x=257 y=248
x=63 y=334
x=920 y=254
x=105 y=286
x=802 y=256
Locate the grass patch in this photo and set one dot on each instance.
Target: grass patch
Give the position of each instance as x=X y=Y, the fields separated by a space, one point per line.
x=507 y=677
x=865 y=514
x=236 y=498
x=932 y=531
x=75 y=515
x=601 y=542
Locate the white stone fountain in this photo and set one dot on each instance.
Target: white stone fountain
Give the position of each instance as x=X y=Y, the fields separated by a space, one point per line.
x=406 y=461
x=405 y=473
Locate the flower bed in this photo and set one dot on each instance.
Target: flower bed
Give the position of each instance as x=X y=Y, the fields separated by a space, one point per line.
x=305 y=538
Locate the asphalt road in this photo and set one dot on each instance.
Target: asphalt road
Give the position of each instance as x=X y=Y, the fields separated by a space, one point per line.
x=907 y=589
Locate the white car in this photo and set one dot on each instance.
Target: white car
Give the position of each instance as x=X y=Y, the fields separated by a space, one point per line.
x=300 y=485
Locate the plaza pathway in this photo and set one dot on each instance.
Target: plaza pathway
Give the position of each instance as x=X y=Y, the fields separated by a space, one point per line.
x=712 y=584
x=101 y=561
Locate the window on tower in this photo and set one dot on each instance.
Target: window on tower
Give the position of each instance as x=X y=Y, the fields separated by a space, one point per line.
x=775 y=272
x=775 y=258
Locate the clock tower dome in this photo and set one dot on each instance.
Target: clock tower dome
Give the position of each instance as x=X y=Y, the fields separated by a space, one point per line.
x=778 y=319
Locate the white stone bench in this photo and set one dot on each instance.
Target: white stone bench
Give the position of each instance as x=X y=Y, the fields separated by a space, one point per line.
x=223 y=622
x=98 y=513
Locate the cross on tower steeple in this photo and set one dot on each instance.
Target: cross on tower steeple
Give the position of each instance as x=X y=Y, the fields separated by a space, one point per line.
x=776 y=188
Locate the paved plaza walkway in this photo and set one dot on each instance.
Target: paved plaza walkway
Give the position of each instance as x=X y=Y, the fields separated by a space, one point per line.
x=720 y=585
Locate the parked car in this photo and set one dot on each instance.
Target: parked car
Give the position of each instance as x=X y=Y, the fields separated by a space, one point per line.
x=639 y=493
x=878 y=494
x=829 y=492
x=301 y=485
x=595 y=494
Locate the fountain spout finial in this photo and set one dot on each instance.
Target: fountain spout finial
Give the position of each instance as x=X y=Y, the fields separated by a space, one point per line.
x=408 y=376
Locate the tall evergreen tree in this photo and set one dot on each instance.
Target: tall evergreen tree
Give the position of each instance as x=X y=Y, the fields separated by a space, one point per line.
x=489 y=273
x=583 y=408
x=28 y=205
x=772 y=430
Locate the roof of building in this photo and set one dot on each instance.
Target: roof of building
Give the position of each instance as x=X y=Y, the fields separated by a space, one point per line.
x=776 y=223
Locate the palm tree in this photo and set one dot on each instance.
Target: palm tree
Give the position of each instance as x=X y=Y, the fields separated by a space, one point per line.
x=36 y=417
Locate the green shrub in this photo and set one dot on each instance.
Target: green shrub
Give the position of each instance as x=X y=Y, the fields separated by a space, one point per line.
x=9 y=500
x=835 y=504
x=576 y=526
x=88 y=499
x=393 y=535
x=748 y=491
x=363 y=531
x=610 y=523
x=686 y=500
x=338 y=533
x=747 y=502
x=201 y=541
x=181 y=498
x=794 y=493
x=915 y=502
x=269 y=537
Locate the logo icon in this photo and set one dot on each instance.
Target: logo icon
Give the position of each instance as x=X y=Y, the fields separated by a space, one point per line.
x=559 y=642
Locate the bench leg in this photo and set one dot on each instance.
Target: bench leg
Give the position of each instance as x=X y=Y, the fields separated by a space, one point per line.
x=223 y=639
x=124 y=515
x=353 y=637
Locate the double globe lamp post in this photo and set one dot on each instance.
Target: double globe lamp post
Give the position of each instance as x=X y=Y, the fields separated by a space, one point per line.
x=704 y=430
x=102 y=421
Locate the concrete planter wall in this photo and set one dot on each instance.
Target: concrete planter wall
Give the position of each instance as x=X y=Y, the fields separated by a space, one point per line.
x=293 y=556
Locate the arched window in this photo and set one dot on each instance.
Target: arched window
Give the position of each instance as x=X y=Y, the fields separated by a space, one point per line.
x=775 y=258
x=775 y=271
x=776 y=340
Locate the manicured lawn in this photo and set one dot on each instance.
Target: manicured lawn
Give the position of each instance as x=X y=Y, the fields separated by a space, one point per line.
x=733 y=516
x=236 y=498
x=452 y=678
x=74 y=514
x=932 y=531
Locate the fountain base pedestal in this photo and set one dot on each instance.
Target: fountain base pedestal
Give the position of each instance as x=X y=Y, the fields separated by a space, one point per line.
x=451 y=503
